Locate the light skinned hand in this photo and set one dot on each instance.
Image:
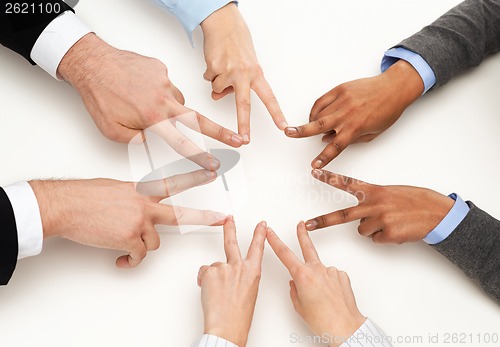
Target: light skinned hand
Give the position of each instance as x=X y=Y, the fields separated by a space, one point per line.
x=322 y=296
x=126 y=93
x=232 y=66
x=229 y=290
x=111 y=214
x=387 y=214
x=359 y=111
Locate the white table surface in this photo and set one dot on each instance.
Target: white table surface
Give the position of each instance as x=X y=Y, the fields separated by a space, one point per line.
x=72 y=295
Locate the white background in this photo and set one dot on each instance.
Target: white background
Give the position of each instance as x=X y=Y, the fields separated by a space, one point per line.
x=71 y=295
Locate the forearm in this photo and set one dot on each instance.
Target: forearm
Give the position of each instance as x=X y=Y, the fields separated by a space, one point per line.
x=55 y=210
x=80 y=63
x=458 y=40
x=474 y=247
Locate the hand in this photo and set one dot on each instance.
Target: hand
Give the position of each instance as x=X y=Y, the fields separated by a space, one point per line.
x=232 y=66
x=360 y=110
x=111 y=214
x=322 y=296
x=388 y=214
x=126 y=93
x=229 y=290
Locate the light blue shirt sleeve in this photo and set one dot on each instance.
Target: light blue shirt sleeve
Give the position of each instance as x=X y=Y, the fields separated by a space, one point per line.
x=450 y=222
x=192 y=12
x=423 y=69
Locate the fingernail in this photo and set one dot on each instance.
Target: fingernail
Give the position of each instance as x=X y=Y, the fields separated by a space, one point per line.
x=220 y=216
x=284 y=124
x=263 y=224
x=318 y=164
x=291 y=131
x=237 y=139
x=311 y=225
x=246 y=138
x=317 y=173
x=230 y=218
x=214 y=164
x=209 y=173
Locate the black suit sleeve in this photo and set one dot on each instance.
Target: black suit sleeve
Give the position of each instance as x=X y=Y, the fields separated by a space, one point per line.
x=8 y=239
x=19 y=32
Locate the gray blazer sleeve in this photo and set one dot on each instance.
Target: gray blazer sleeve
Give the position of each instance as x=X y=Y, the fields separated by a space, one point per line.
x=458 y=40
x=474 y=246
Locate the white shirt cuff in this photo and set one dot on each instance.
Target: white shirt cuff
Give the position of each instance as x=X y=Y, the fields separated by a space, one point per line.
x=368 y=334
x=212 y=341
x=56 y=40
x=28 y=219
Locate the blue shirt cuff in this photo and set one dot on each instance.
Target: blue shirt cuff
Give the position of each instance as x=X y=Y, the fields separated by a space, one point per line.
x=192 y=12
x=423 y=69
x=450 y=221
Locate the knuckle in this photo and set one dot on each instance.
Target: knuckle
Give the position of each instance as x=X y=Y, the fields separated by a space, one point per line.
x=332 y=270
x=170 y=185
x=221 y=133
x=244 y=102
x=199 y=118
x=321 y=220
x=111 y=133
x=152 y=115
x=344 y=214
x=360 y=230
x=181 y=141
x=178 y=214
x=156 y=244
x=322 y=126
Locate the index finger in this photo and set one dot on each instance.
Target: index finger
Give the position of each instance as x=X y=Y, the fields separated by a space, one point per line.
x=256 y=249
x=266 y=95
x=230 y=242
x=243 y=107
x=164 y=188
x=316 y=127
x=346 y=215
x=345 y=183
x=337 y=145
x=183 y=145
x=287 y=257
x=202 y=124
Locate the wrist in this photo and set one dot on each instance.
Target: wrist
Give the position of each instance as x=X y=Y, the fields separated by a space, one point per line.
x=220 y=18
x=53 y=208
x=405 y=81
x=346 y=330
x=80 y=62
